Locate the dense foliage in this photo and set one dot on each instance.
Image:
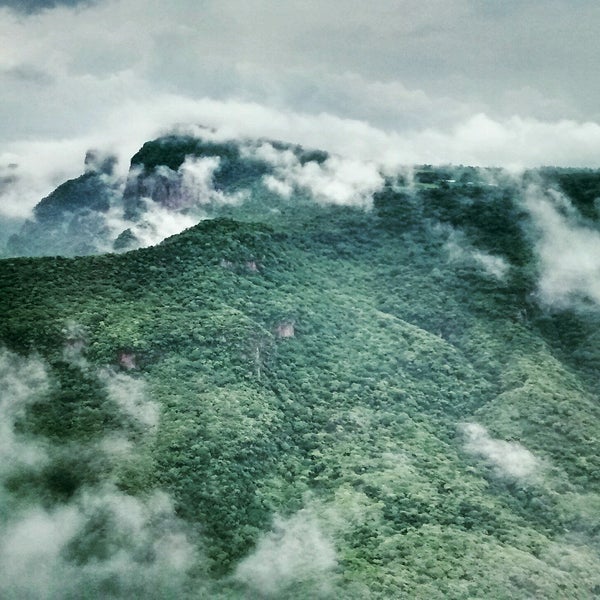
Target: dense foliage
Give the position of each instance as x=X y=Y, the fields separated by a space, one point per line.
x=328 y=364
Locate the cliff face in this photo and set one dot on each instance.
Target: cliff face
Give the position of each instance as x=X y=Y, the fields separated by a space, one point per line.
x=178 y=177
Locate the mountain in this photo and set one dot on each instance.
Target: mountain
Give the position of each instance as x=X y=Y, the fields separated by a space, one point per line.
x=337 y=384
x=172 y=183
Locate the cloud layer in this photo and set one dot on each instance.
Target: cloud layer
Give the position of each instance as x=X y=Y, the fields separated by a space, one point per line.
x=21 y=383
x=336 y=180
x=393 y=83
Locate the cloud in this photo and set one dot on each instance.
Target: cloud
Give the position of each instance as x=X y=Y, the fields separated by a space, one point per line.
x=131 y=397
x=156 y=223
x=295 y=551
x=336 y=180
x=460 y=251
x=196 y=184
x=34 y=6
x=479 y=140
x=75 y=343
x=22 y=381
x=568 y=249
x=392 y=83
x=509 y=459
x=180 y=199
x=104 y=543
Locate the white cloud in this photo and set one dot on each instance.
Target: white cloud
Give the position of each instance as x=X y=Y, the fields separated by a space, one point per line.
x=197 y=183
x=337 y=180
x=75 y=342
x=156 y=223
x=295 y=551
x=460 y=251
x=509 y=459
x=131 y=397
x=479 y=140
x=389 y=83
x=568 y=249
x=187 y=194
x=102 y=540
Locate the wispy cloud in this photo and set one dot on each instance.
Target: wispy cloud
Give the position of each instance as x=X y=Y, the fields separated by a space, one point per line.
x=461 y=252
x=509 y=459
x=22 y=381
x=568 y=248
x=130 y=396
x=104 y=542
x=296 y=550
x=515 y=143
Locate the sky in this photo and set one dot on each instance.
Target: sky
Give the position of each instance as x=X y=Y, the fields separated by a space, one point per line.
x=505 y=83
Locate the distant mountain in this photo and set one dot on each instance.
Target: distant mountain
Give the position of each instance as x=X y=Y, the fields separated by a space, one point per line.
x=335 y=384
x=177 y=176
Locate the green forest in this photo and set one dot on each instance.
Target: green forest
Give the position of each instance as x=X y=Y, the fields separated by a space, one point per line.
x=301 y=399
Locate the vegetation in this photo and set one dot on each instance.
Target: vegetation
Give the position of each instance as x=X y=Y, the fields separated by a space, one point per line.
x=324 y=366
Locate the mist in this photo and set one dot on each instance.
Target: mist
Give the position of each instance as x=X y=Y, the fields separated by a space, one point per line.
x=387 y=83
x=101 y=541
x=104 y=543
x=22 y=381
x=508 y=459
x=461 y=252
x=568 y=248
x=296 y=551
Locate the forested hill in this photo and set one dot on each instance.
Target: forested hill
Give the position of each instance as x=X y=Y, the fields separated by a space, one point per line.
x=388 y=391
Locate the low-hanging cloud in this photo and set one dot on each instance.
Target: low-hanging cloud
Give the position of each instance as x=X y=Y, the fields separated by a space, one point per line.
x=180 y=199
x=568 y=249
x=22 y=381
x=509 y=459
x=336 y=180
x=377 y=83
x=156 y=223
x=104 y=543
x=461 y=252
x=130 y=396
x=515 y=143
x=295 y=551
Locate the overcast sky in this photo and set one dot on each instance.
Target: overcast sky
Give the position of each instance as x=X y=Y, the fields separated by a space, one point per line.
x=503 y=82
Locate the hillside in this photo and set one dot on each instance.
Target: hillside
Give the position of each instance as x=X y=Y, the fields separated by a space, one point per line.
x=387 y=390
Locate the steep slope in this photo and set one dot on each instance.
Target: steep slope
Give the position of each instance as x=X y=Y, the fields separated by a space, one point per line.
x=351 y=403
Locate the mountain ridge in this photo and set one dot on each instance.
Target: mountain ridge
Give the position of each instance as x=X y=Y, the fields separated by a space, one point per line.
x=328 y=401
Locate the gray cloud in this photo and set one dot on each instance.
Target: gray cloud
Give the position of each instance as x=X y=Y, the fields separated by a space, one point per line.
x=394 y=82
x=35 y=6
x=28 y=74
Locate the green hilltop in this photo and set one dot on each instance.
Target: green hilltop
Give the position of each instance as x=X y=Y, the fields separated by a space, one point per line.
x=338 y=402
